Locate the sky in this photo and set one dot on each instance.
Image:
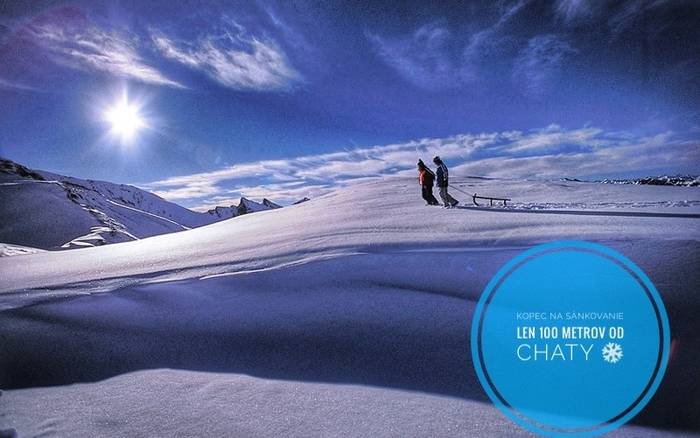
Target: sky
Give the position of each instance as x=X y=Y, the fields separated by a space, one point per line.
x=203 y=102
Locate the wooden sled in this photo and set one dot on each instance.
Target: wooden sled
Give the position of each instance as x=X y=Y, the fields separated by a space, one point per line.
x=490 y=199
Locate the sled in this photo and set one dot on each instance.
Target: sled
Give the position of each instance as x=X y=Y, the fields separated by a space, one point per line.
x=490 y=199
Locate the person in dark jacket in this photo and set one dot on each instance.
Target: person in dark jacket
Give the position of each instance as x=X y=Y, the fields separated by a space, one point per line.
x=426 y=178
x=443 y=183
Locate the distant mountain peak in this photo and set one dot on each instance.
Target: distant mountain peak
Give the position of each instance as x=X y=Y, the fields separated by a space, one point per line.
x=244 y=206
x=247 y=206
x=224 y=212
x=270 y=204
x=661 y=180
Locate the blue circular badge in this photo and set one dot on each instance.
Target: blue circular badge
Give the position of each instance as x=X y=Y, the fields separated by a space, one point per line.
x=570 y=338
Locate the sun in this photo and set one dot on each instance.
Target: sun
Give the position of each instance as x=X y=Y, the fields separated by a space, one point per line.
x=125 y=119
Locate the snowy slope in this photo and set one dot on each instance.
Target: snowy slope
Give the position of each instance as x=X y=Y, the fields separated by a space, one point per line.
x=377 y=216
x=45 y=210
x=197 y=404
x=354 y=307
x=7 y=250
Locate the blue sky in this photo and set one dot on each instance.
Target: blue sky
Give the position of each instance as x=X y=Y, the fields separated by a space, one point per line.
x=292 y=99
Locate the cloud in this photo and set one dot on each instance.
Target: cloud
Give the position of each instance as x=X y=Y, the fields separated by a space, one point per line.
x=14 y=85
x=422 y=58
x=235 y=60
x=630 y=12
x=83 y=46
x=549 y=152
x=434 y=58
x=575 y=11
x=290 y=34
x=554 y=137
x=539 y=62
x=646 y=154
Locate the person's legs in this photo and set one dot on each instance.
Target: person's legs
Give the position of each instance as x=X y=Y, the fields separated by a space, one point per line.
x=452 y=200
x=427 y=193
x=431 y=197
x=444 y=196
x=424 y=194
x=447 y=199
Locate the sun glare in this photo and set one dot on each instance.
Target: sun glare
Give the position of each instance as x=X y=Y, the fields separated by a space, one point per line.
x=125 y=119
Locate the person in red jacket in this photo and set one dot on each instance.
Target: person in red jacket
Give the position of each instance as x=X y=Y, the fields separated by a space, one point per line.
x=426 y=178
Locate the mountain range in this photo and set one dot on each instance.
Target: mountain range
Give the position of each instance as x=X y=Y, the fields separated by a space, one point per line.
x=49 y=211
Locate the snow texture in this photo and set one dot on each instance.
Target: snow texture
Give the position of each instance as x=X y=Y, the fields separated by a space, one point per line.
x=346 y=315
x=7 y=250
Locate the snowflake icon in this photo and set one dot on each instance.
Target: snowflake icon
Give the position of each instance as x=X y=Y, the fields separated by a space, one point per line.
x=612 y=352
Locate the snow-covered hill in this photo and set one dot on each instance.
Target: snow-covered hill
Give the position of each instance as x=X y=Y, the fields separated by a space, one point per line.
x=344 y=315
x=45 y=210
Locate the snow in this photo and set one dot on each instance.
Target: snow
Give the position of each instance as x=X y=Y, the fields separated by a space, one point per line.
x=344 y=315
x=266 y=202
x=662 y=180
x=188 y=403
x=377 y=216
x=224 y=212
x=248 y=206
x=7 y=250
x=245 y=206
x=50 y=211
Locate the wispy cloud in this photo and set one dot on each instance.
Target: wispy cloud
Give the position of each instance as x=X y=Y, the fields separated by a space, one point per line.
x=618 y=17
x=576 y=11
x=86 y=47
x=614 y=158
x=290 y=34
x=15 y=85
x=422 y=58
x=234 y=59
x=549 y=152
x=488 y=40
x=631 y=11
x=539 y=62
x=433 y=57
